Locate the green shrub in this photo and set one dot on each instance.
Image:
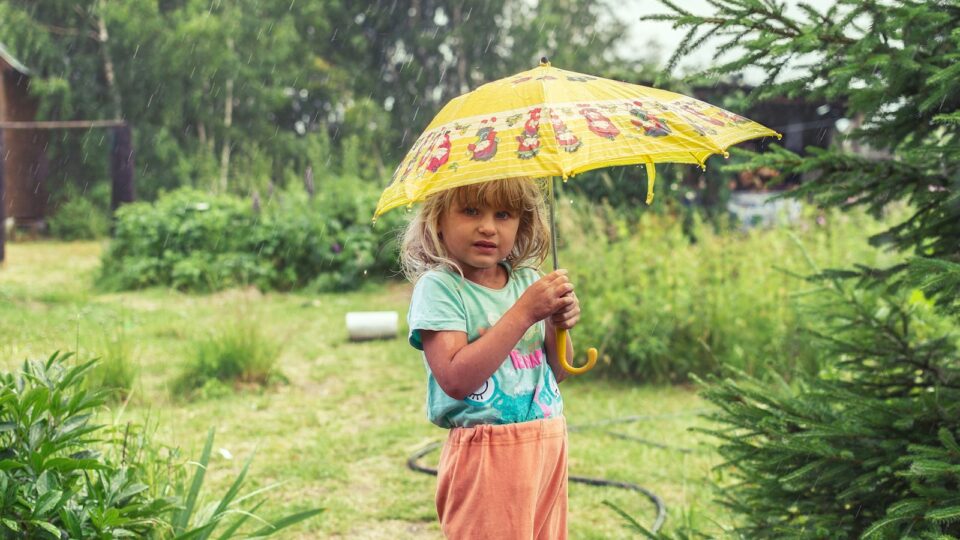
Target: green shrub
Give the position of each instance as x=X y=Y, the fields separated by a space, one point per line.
x=238 y=351
x=63 y=477
x=79 y=219
x=53 y=482
x=195 y=241
x=659 y=306
x=176 y=241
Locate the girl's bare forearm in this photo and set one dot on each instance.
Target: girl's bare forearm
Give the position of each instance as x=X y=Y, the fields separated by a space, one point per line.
x=477 y=361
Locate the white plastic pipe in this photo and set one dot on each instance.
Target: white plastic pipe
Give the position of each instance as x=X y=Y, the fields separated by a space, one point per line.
x=363 y=325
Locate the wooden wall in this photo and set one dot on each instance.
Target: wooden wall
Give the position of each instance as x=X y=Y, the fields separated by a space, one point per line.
x=24 y=158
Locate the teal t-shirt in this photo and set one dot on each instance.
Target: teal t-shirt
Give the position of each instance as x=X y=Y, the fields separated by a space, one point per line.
x=522 y=389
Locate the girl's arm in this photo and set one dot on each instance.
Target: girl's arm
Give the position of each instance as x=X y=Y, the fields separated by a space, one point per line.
x=460 y=367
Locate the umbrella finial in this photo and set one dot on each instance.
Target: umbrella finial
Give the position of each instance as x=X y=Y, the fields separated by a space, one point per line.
x=544 y=62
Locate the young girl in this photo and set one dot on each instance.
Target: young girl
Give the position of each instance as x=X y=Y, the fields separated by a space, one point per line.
x=485 y=321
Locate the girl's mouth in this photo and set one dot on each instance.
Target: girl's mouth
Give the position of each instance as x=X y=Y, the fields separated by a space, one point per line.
x=485 y=245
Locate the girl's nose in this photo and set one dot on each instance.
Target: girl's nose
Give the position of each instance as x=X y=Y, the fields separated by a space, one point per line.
x=486 y=225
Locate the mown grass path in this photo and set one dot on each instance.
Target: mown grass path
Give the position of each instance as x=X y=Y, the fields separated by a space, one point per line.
x=338 y=433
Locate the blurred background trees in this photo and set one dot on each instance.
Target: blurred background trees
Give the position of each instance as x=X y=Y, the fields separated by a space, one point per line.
x=241 y=96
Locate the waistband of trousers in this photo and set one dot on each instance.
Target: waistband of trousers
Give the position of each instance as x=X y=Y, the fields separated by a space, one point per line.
x=505 y=434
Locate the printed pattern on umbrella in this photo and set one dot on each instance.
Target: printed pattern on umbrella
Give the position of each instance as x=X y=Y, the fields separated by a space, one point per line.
x=485 y=147
x=597 y=122
x=693 y=112
x=651 y=124
x=415 y=152
x=566 y=139
x=529 y=138
x=439 y=155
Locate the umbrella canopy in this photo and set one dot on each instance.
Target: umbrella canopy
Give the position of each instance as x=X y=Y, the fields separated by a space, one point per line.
x=552 y=122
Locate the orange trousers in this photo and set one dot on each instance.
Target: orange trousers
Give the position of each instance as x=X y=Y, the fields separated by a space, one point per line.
x=504 y=482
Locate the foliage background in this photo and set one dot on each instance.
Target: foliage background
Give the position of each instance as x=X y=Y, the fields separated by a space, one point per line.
x=341 y=88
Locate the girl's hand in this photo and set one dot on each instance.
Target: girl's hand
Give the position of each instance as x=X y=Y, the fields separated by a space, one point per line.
x=550 y=294
x=567 y=317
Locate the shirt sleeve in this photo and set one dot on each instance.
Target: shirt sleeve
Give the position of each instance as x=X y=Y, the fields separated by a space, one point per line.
x=436 y=305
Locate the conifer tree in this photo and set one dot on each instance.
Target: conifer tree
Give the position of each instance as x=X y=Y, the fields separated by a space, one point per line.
x=868 y=448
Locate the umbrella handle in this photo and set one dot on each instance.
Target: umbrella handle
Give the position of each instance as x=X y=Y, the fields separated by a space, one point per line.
x=562 y=355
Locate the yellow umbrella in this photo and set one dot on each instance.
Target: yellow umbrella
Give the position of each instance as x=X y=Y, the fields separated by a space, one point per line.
x=552 y=122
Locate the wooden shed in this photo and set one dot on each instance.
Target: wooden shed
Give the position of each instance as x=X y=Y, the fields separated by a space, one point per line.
x=23 y=154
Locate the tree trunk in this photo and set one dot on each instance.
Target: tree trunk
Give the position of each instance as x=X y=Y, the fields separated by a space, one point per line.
x=121 y=167
x=461 y=84
x=108 y=70
x=227 y=122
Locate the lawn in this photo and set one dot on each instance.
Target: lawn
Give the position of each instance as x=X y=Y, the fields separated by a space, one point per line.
x=336 y=431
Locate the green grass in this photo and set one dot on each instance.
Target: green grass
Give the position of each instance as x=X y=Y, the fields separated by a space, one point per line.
x=338 y=433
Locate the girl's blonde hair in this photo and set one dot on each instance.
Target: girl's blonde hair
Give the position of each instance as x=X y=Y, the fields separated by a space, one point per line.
x=422 y=249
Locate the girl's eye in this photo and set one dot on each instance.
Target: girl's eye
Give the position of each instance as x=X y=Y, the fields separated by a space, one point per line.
x=470 y=211
x=503 y=214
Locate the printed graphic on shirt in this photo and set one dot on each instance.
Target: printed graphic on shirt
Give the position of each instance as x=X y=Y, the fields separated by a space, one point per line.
x=526 y=361
x=483 y=395
x=541 y=403
x=547 y=395
x=528 y=353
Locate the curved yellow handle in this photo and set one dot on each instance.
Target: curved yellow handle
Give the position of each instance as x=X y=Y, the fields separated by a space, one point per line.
x=562 y=355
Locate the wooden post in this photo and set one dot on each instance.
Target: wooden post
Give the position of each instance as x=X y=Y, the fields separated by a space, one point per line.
x=121 y=167
x=3 y=200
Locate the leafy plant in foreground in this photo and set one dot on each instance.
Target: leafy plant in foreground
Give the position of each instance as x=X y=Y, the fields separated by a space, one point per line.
x=55 y=482
x=52 y=480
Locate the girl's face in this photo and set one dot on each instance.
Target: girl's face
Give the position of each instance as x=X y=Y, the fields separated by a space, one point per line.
x=478 y=237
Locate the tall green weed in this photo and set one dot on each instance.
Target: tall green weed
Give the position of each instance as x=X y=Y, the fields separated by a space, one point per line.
x=79 y=219
x=118 y=366
x=236 y=352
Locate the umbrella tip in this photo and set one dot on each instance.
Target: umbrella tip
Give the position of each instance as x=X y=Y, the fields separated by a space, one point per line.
x=544 y=61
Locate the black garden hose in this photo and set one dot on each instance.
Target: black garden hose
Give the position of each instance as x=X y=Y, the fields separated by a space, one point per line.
x=413 y=462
